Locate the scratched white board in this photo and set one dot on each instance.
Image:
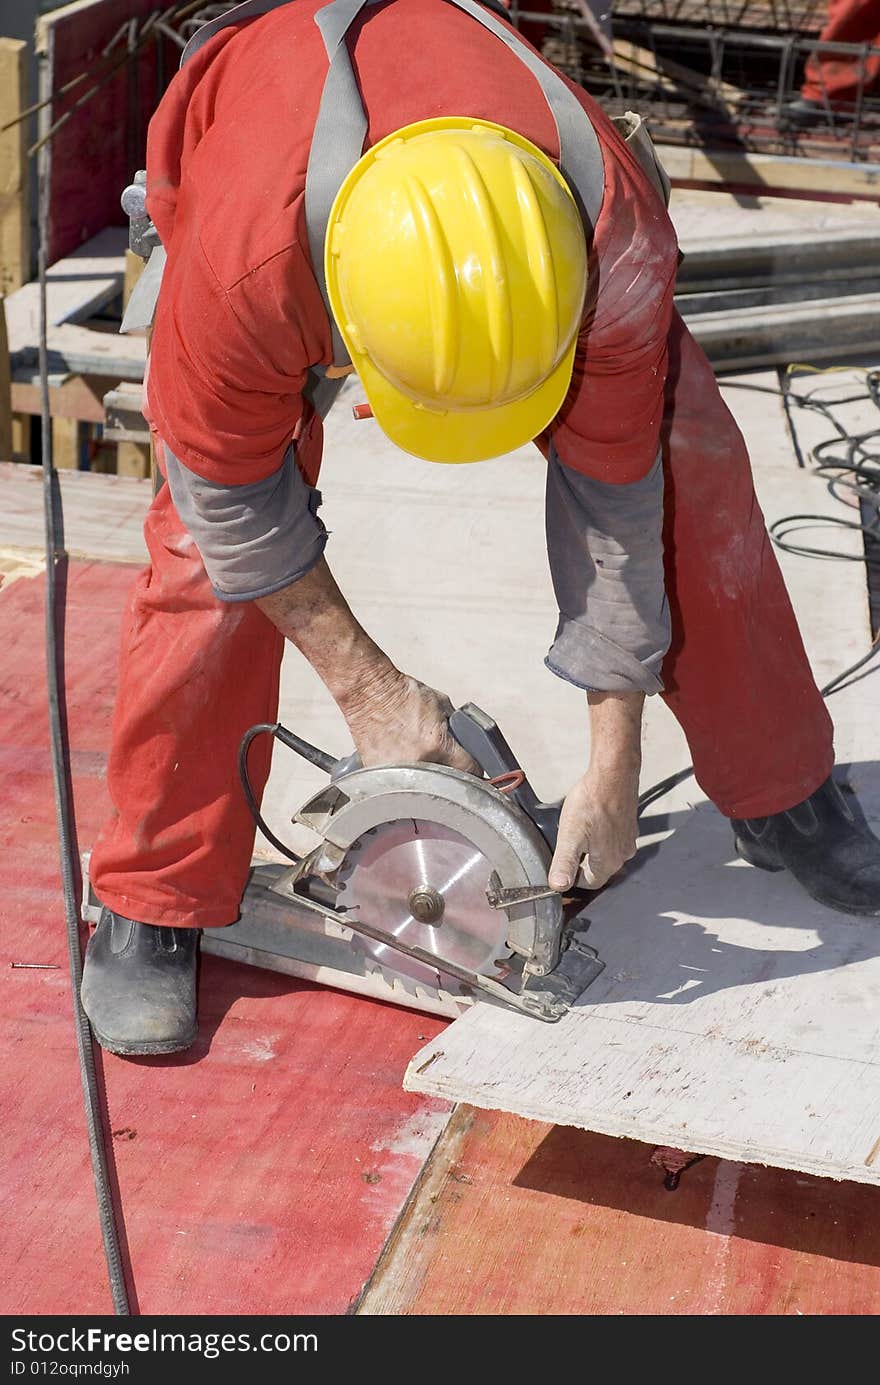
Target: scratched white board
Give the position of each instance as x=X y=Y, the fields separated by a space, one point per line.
x=735 y=1016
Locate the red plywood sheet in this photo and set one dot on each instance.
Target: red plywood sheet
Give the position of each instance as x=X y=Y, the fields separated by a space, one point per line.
x=519 y=1218
x=259 y=1173
x=102 y=144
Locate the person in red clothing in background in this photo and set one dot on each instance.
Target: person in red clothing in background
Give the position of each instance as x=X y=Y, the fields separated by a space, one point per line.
x=499 y=267
x=833 y=81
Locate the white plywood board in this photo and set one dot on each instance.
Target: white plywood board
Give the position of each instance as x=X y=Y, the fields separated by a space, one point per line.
x=734 y=1017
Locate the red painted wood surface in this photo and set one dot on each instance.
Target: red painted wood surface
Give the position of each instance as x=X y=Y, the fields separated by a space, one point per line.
x=520 y=1218
x=95 y=154
x=259 y=1173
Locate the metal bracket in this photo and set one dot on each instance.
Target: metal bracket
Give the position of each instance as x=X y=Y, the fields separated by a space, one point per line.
x=501 y=898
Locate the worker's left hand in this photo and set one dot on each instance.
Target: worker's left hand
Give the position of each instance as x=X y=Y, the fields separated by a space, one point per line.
x=597 y=829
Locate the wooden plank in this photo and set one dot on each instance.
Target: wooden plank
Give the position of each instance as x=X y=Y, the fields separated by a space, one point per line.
x=123 y=417
x=134 y=268
x=66 y=443
x=770 y=171
x=109 y=132
x=514 y=1217
x=15 y=224
x=75 y=350
x=77 y=287
x=21 y=437
x=133 y=459
x=82 y=397
x=6 y=447
x=735 y=1016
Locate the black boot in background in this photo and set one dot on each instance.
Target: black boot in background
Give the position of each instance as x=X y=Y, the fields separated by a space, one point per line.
x=835 y=858
x=139 y=986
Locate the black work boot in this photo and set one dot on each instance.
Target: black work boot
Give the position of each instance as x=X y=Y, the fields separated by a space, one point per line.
x=139 y=986
x=834 y=857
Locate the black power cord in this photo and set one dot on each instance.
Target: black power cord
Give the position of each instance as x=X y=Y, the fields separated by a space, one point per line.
x=56 y=576
x=325 y=762
x=850 y=461
x=857 y=461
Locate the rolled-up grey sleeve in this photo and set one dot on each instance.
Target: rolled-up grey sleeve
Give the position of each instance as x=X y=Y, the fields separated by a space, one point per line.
x=605 y=546
x=254 y=539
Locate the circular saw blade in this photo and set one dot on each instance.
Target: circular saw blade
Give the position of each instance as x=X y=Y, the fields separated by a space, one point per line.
x=387 y=865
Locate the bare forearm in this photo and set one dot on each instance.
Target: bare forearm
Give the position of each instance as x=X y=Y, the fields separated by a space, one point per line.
x=616 y=732
x=314 y=615
x=390 y=715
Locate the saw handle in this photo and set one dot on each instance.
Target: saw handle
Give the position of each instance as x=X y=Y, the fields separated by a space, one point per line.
x=479 y=735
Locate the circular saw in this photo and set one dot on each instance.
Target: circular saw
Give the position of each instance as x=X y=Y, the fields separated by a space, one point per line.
x=428 y=886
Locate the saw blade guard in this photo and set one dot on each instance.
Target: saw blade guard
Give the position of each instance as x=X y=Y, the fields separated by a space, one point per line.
x=497 y=830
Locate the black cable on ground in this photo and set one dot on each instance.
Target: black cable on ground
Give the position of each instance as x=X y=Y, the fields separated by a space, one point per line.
x=857 y=461
x=56 y=575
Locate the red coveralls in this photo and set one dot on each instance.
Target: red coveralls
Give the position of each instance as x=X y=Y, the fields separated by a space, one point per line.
x=836 y=79
x=240 y=319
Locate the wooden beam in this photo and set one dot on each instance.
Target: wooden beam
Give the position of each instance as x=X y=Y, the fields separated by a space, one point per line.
x=5 y=393
x=82 y=397
x=769 y=172
x=133 y=459
x=134 y=268
x=75 y=350
x=15 y=221
x=123 y=417
x=66 y=443
x=21 y=437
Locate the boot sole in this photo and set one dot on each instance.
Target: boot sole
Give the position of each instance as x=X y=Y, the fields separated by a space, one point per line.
x=755 y=857
x=146 y=1048
x=751 y=853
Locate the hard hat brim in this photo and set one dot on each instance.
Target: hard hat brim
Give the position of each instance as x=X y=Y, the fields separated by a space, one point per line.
x=464 y=436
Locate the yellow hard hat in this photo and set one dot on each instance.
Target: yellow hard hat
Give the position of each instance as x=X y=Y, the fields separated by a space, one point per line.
x=456 y=267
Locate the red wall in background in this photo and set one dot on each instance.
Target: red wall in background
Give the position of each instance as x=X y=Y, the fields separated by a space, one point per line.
x=98 y=149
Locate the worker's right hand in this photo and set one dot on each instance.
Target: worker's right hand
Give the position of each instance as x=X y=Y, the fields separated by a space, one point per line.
x=397 y=720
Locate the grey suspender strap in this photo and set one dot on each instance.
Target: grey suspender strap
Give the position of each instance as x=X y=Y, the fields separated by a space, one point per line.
x=580 y=154
x=337 y=144
x=251 y=9
x=338 y=139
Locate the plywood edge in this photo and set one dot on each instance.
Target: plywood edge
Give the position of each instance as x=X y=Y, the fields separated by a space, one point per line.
x=387 y=1284
x=430 y=1082
x=47 y=23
